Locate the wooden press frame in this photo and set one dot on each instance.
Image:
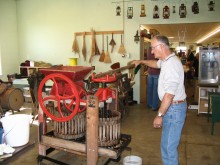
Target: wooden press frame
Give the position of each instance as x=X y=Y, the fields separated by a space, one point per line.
x=49 y=143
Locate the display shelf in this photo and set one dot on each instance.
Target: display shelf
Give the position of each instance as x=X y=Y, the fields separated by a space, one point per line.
x=26 y=71
x=203 y=98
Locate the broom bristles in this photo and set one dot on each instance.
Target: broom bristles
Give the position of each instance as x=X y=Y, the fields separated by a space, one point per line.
x=75 y=47
x=107 y=58
x=97 y=52
x=102 y=57
x=122 y=49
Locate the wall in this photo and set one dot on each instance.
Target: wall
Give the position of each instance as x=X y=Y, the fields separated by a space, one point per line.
x=46 y=28
x=8 y=38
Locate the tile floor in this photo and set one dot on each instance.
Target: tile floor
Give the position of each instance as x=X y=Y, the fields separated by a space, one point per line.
x=197 y=146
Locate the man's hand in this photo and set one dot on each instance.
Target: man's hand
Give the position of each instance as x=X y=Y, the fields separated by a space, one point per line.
x=136 y=62
x=158 y=122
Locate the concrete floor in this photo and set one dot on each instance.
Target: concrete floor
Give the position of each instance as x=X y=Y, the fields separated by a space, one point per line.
x=197 y=146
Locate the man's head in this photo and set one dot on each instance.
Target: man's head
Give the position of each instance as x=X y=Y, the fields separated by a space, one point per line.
x=160 y=46
x=189 y=51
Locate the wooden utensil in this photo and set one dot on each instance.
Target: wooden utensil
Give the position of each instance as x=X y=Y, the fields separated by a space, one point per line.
x=112 y=43
x=122 y=48
x=97 y=52
x=107 y=56
x=84 y=47
x=92 y=46
x=75 y=47
x=102 y=57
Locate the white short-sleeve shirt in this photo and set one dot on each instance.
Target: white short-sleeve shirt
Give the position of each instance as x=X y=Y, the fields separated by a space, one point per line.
x=171 y=78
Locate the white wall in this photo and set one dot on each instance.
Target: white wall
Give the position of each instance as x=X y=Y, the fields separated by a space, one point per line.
x=46 y=28
x=8 y=38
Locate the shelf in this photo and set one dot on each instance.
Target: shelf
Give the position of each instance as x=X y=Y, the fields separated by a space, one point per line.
x=26 y=71
x=99 y=32
x=206 y=98
x=33 y=67
x=203 y=100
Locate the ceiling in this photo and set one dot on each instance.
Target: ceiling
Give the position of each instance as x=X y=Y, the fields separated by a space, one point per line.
x=188 y=33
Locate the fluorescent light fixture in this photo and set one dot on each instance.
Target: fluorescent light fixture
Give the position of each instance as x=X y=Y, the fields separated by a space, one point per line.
x=209 y=35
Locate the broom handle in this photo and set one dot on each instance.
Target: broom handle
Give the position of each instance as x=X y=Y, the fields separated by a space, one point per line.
x=110 y=72
x=121 y=38
x=102 y=41
x=107 y=43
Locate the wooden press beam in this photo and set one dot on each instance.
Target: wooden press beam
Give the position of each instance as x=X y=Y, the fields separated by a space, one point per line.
x=71 y=146
x=110 y=72
x=92 y=125
x=100 y=32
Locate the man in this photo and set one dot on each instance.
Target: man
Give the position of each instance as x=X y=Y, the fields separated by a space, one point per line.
x=172 y=111
x=190 y=59
x=152 y=83
x=195 y=66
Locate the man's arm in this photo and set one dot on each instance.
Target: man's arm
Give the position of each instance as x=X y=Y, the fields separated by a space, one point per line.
x=149 y=63
x=166 y=102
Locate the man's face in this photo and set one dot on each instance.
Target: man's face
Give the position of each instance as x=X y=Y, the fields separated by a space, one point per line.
x=156 y=48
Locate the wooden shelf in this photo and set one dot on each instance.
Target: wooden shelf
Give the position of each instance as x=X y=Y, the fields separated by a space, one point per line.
x=25 y=71
x=100 y=32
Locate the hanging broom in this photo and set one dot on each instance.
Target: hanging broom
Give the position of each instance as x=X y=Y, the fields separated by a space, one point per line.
x=84 y=47
x=112 y=43
x=92 y=46
x=102 y=57
x=107 y=56
x=97 y=52
x=75 y=47
x=122 y=50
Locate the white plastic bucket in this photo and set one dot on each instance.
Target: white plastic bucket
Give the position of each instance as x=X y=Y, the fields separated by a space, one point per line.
x=132 y=160
x=16 y=129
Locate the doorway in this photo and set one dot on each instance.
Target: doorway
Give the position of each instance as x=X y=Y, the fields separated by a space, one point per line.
x=178 y=33
x=144 y=45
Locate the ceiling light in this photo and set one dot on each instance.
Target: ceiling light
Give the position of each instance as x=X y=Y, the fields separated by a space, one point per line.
x=142 y=27
x=209 y=35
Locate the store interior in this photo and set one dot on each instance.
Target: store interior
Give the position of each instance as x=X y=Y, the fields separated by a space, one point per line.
x=63 y=103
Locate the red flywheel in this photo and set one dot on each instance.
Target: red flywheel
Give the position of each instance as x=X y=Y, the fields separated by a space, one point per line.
x=65 y=94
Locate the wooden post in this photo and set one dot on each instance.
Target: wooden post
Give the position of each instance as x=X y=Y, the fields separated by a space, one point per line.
x=92 y=130
x=42 y=128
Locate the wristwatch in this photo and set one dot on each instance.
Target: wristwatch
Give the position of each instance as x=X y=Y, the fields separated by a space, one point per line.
x=160 y=114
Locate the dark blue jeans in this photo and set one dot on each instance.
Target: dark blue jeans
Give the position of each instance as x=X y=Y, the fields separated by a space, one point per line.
x=152 y=95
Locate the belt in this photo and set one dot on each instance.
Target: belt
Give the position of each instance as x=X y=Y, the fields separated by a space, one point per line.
x=178 y=101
